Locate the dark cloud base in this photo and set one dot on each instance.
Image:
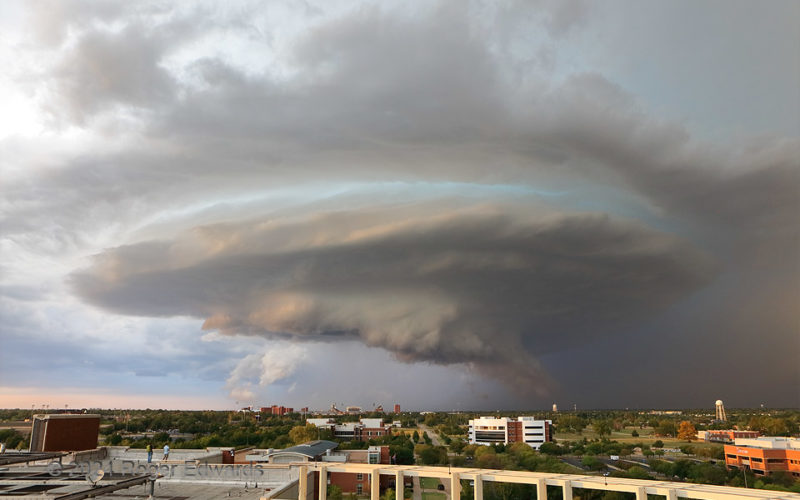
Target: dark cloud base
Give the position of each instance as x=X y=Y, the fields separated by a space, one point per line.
x=492 y=289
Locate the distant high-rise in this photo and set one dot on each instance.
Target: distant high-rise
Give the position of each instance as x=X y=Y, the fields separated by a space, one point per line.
x=555 y=407
x=720 y=410
x=397 y=408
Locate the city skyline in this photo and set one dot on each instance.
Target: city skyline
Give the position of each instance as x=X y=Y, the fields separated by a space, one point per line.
x=449 y=206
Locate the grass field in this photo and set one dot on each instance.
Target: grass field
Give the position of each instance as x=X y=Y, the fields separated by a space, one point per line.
x=646 y=436
x=430 y=483
x=432 y=495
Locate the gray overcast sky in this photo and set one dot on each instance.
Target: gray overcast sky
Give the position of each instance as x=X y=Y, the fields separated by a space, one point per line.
x=457 y=205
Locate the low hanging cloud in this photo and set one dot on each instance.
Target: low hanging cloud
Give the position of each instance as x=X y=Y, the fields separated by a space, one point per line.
x=256 y=372
x=492 y=287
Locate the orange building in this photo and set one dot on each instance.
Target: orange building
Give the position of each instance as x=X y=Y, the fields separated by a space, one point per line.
x=765 y=455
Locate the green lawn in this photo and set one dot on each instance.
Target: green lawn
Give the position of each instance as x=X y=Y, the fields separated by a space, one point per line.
x=431 y=495
x=430 y=483
x=646 y=436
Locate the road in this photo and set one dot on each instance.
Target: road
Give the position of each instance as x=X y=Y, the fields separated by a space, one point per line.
x=431 y=433
x=574 y=461
x=417 y=491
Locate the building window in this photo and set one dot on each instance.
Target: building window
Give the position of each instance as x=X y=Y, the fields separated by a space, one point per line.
x=359 y=489
x=359 y=477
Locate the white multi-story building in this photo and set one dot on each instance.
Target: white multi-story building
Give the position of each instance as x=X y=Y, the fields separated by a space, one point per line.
x=528 y=430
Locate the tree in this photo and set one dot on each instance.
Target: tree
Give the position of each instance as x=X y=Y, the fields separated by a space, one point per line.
x=471 y=450
x=634 y=433
x=666 y=428
x=488 y=460
x=776 y=427
x=403 y=453
x=592 y=463
x=571 y=423
x=334 y=492
x=303 y=433
x=658 y=443
x=550 y=449
x=457 y=445
x=637 y=472
x=602 y=427
x=431 y=455
x=687 y=431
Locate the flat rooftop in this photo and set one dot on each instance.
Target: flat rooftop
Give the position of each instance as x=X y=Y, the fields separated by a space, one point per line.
x=186 y=491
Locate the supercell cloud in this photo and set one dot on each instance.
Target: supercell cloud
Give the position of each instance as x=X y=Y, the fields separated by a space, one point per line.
x=487 y=285
x=462 y=187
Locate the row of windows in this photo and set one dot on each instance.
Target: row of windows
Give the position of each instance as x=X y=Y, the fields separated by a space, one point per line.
x=760 y=460
x=497 y=439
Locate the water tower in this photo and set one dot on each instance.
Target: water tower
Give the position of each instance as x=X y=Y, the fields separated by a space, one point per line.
x=720 y=410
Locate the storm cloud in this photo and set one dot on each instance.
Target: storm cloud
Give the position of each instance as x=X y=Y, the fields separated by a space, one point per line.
x=488 y=287
x=464 y=185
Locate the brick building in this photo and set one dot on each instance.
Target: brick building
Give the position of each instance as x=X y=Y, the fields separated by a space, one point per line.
x=360 y=483
x=64 y=432
x=325 y=451
x=726 y=436
x=277 y=410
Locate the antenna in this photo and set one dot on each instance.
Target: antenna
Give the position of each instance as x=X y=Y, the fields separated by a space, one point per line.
x=94 y=476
